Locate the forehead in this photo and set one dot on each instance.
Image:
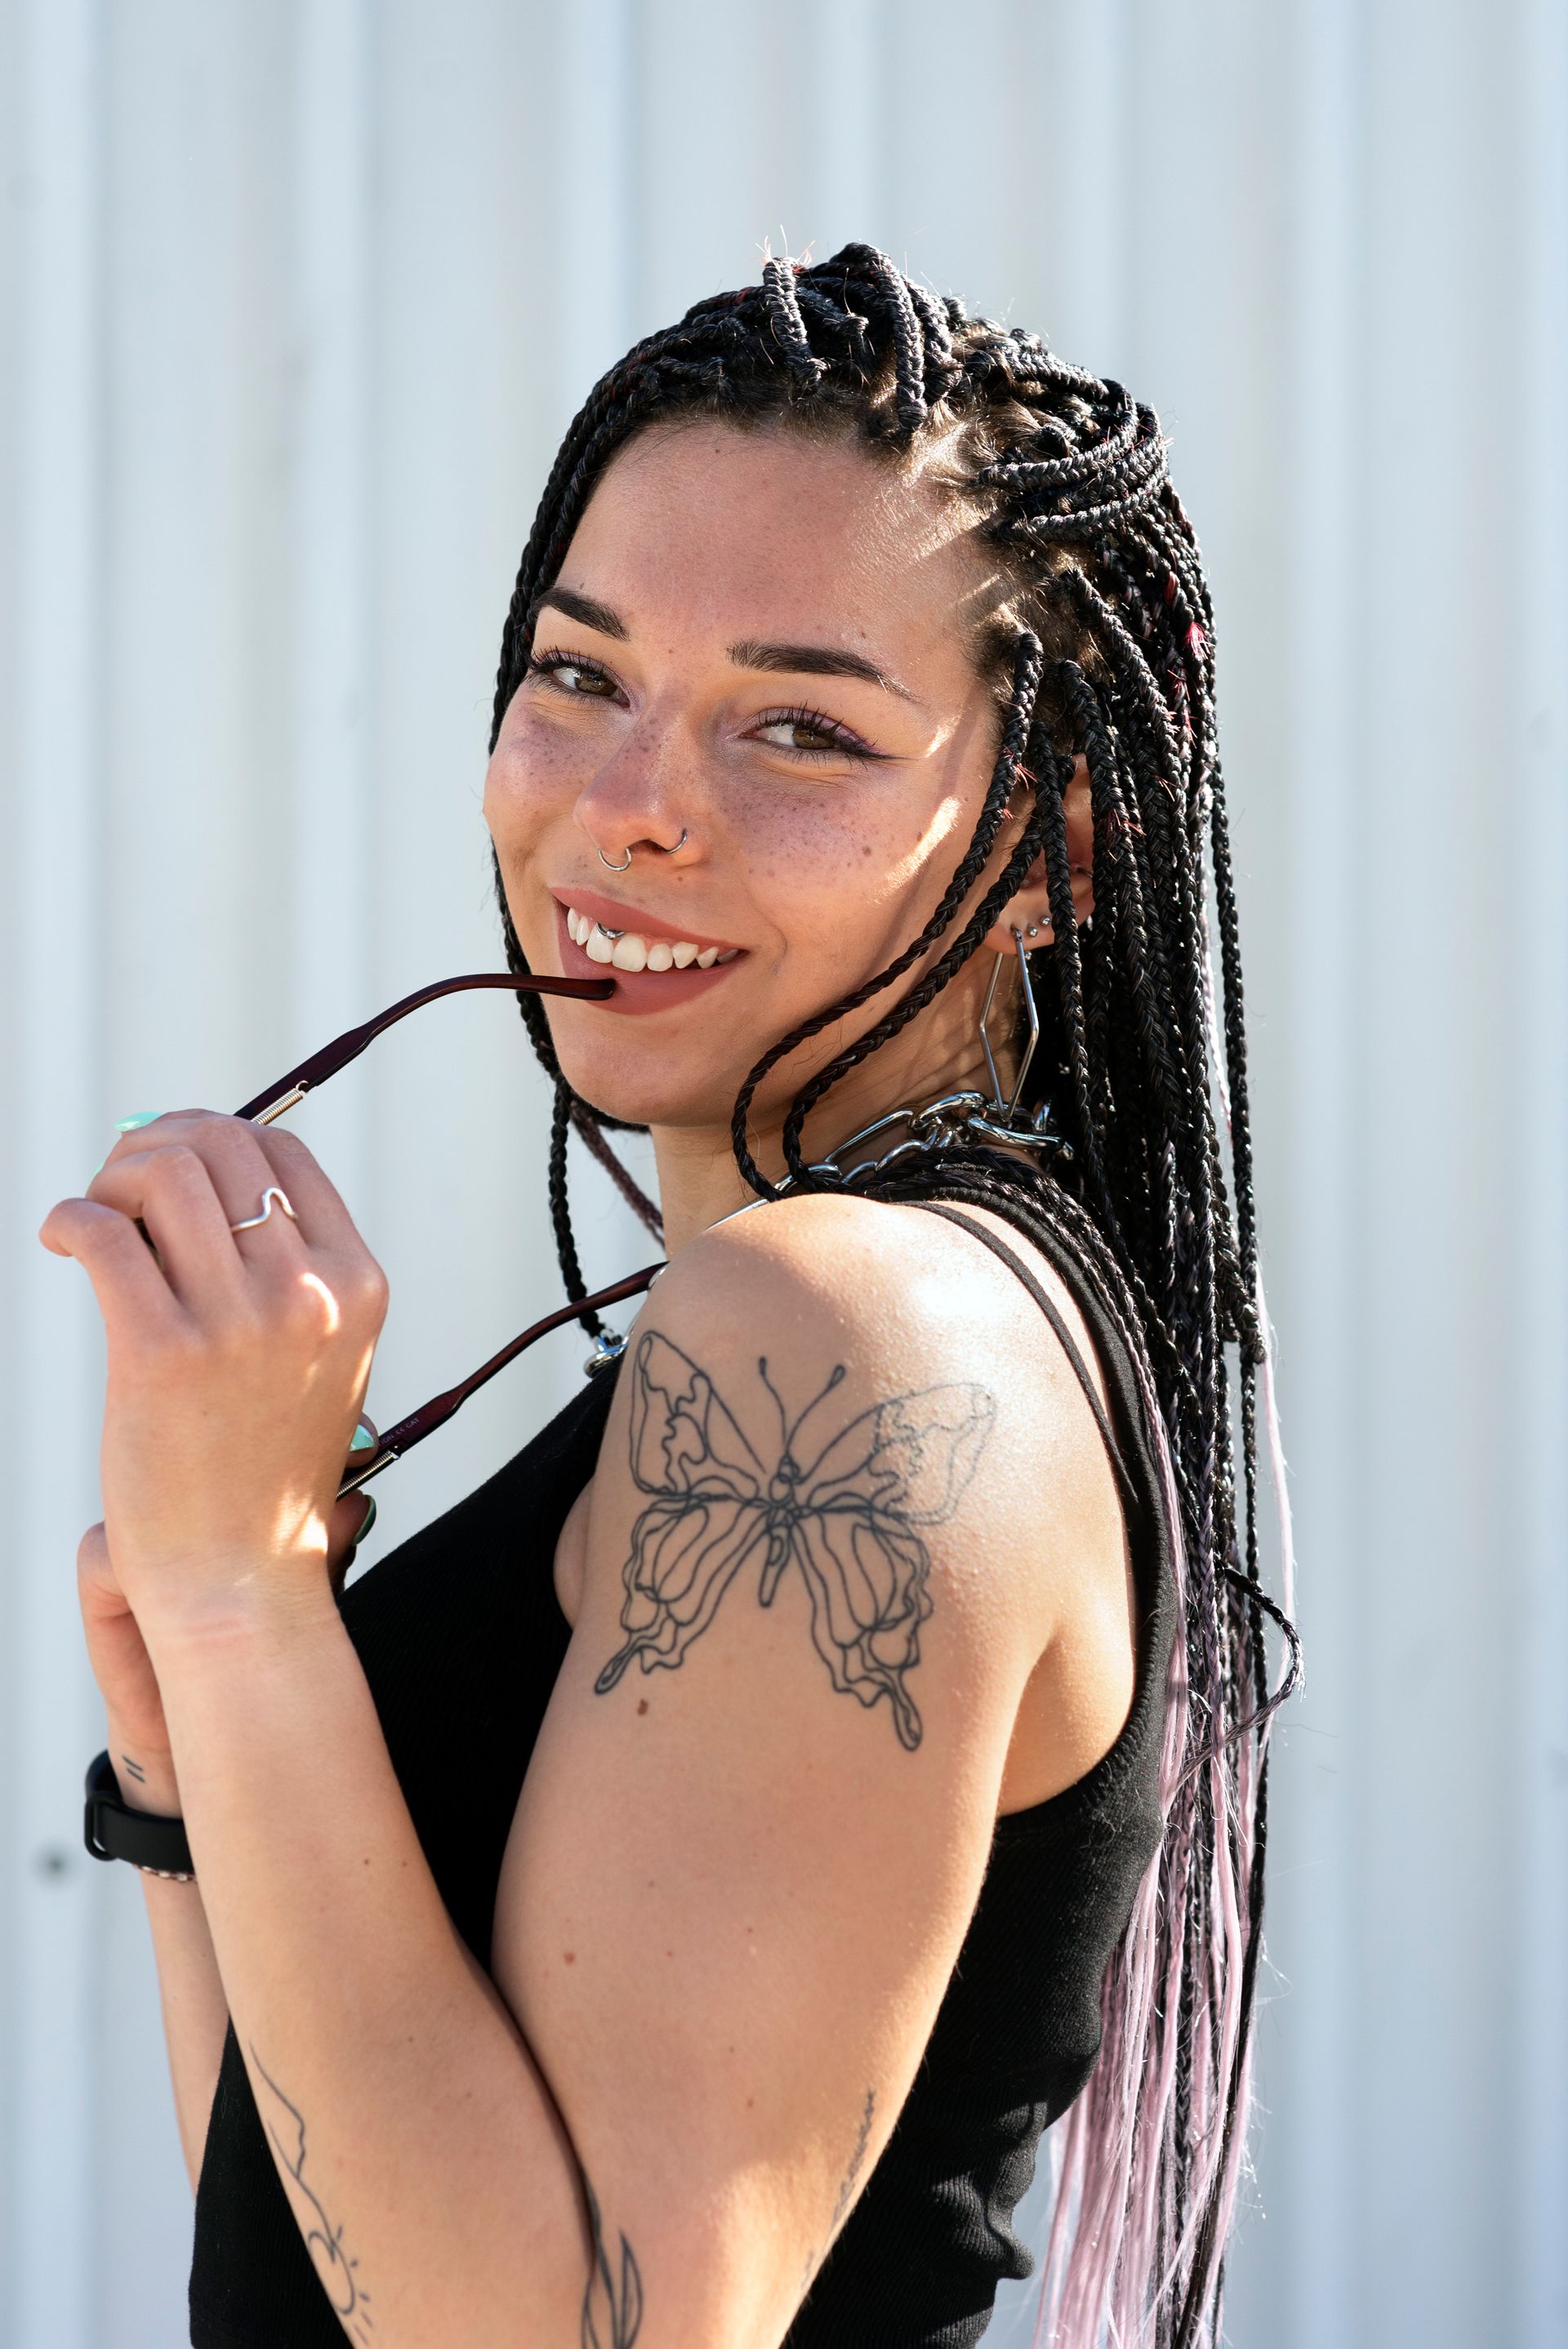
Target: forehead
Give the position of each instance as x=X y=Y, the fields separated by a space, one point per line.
x=717 y=531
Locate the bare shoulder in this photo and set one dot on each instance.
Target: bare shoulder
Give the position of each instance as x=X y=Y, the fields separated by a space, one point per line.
x=906 y=1292
x=858 y=1356
x=886 y=1274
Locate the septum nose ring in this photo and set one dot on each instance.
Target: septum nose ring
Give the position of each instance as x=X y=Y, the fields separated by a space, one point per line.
x=610 y=865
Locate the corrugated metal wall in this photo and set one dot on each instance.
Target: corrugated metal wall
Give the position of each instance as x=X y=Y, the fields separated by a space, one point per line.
x=297 y=299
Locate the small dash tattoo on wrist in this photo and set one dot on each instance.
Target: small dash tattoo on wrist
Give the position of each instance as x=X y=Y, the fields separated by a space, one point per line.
x=137 y=1772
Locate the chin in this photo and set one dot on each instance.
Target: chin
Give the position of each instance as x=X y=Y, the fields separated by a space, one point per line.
x=642 y=1085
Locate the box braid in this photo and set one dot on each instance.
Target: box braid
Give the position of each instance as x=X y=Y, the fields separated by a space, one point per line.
x=1105 y=650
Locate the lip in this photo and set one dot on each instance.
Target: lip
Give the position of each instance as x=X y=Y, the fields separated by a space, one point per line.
x=637 y=992
x=614 y=915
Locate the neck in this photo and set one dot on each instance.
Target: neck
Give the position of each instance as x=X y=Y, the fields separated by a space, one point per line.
x=699 y=1181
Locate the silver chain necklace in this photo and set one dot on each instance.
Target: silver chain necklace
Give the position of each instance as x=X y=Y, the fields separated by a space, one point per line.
x=946 y=1124
x=958 y=1118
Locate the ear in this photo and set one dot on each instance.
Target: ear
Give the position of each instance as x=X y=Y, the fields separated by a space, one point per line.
x=1031 y=905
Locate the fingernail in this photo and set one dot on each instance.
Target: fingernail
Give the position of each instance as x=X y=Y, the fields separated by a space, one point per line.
x=138 y=1117
x=364 y=1528
x=362 y=1441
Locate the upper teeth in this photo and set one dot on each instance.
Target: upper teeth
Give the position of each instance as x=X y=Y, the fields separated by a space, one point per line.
x=628 y=951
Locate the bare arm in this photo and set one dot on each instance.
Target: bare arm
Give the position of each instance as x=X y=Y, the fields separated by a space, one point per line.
x=195 y=2012
x=191 y=1990
x=732 y=1903
x=708 y=2032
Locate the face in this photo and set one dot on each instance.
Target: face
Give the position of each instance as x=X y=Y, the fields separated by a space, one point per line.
x=753 y=675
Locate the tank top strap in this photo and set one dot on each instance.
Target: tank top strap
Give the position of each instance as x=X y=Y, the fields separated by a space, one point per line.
x=1047 y=1305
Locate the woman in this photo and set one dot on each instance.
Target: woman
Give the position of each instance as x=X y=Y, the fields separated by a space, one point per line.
x=705 y=1861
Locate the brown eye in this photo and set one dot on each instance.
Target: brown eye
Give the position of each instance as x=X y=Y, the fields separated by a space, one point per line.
x=810 y=735
x=574 y=677
x=797 y=734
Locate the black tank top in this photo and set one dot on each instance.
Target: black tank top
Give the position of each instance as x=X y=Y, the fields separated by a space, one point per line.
x=460 y=1639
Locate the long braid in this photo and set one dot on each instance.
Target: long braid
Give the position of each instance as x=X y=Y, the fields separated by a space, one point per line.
x=998 y=796
x=560 y=1210
x=1111 y=654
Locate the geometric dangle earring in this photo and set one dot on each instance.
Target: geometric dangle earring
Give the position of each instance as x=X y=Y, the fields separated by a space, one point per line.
x=1000 y=1109
x=958 y=1121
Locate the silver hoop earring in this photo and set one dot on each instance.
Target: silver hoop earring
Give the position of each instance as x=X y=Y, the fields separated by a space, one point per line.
x=1005 y=1108
x=610 y=861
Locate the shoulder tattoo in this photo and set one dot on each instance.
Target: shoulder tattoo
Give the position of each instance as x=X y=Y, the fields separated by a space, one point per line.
x=847 y=1517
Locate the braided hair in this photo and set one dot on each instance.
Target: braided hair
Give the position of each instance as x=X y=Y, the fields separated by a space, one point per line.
x=1103 y=651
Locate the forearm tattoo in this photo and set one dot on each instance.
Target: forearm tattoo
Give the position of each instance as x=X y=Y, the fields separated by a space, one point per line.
x=323 y=2241
x=848 y=1521
x=857 y=2161
x=612 y=2303
x=847 y=2184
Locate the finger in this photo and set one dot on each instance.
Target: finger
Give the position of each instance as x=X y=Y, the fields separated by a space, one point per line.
x=173 y=1192
x=133 y=1292
x=245 y=1161
x=316 y=1198
x=333 y=1234
x=241 y=1173
x=144 y=1132
x=93 y=1568
x=350 y=1521
x=243 y=1170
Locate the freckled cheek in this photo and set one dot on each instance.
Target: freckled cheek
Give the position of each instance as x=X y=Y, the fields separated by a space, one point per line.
x=533 y=780
x=833 y=873
x=815 y=845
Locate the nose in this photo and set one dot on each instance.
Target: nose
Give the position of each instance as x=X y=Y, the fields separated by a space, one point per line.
x=634 y=801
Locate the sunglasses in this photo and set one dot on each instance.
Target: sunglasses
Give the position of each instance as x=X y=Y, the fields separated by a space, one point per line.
x=314 y=1072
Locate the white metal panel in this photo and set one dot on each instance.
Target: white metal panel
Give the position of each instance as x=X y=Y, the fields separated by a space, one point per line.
x=1533 y=2089
x=306 y=296
x=52 y=1902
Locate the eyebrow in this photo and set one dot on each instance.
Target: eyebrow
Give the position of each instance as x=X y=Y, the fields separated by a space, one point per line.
x=798 y=660
x=584 y=609
x=813 y=660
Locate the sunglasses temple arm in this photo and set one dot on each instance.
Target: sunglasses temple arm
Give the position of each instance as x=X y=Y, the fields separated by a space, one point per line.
x=263 y=1107
x=435 y=1414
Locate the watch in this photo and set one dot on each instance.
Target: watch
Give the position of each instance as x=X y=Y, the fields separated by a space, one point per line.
x=110 y=1831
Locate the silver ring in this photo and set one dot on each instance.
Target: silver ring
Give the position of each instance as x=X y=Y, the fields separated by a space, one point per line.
x=678 y=844
x=268 y=1195
x=610 y=862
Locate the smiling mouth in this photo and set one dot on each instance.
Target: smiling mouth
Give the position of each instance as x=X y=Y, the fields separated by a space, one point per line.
x=629 y=950
x=655 y=969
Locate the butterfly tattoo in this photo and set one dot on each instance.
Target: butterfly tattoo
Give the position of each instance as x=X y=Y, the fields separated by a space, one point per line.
x=849 y=1521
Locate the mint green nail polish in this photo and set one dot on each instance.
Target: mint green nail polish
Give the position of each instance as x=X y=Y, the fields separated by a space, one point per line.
x=140 y=1117
x=364 y=1528
x=362 y=1441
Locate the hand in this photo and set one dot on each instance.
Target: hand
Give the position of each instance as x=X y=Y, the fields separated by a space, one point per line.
x=236 y=1364
x=118 y=1652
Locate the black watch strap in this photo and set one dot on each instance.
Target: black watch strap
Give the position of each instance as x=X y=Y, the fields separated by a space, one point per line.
x=112 y=1832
